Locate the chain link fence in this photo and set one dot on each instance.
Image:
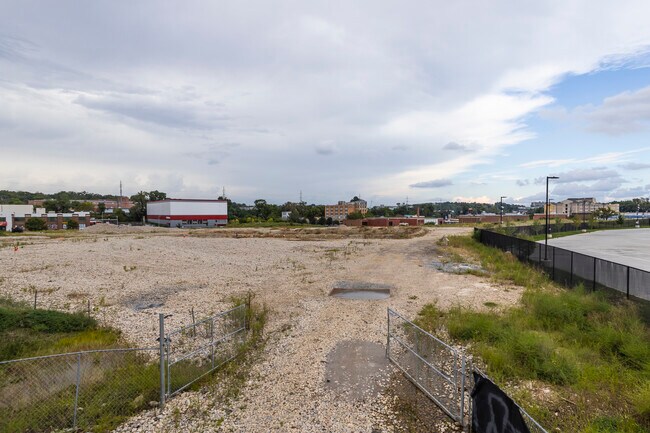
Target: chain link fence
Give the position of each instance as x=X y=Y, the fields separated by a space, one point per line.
x=192 y=351
x=95 y=390
x=570 y=268
x=554 y=227
x=79 y=390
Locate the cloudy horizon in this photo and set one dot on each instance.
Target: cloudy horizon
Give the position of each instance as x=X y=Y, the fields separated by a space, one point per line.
x=383 y=101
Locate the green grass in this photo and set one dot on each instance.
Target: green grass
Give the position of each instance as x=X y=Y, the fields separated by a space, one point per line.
x=26 y=332
x=561 y=234
x=115 y=386
x=501 y=267
x=587 y=348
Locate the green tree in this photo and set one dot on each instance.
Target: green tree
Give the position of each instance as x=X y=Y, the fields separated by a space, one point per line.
x=140 y=200
x=35 y=224
x=355 y=216
x=262 y=209
x=157 y=195
x=101 y=208
x=604 y=213
x=83 y=206
x=72 y=225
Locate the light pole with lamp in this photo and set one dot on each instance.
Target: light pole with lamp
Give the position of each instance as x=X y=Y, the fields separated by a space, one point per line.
x=547 y=206
x=501 y=210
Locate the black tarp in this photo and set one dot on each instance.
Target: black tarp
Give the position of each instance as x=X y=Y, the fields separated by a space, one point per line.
x=493 y=411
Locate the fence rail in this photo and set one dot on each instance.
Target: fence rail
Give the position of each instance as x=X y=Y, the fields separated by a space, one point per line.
x=87 y=389
x=192 y=351
x=439 y=370
x=570 y=268
x=73 y=390
x=436 y=368
x=538 y=229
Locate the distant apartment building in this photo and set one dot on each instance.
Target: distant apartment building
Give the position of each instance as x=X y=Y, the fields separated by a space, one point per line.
x=120 y=203
x=15 y=216
x=579 y=206
x=341 y=210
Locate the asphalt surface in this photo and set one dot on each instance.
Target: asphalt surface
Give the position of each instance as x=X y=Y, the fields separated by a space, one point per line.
x=629 y=247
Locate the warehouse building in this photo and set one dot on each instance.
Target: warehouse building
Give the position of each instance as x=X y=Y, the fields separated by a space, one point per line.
x=188 y=213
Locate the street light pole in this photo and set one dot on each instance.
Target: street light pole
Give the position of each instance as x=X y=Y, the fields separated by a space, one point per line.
x=501 y=219
x=547 y=206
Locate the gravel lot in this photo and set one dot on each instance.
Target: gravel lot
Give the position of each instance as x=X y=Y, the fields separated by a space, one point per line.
x=123 y=273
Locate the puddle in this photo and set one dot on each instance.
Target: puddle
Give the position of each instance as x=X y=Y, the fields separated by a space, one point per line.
x=361 y=290
x=357 y=370
x=366 y=294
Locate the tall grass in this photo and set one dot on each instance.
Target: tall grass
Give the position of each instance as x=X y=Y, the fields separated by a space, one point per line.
x=114 y=386
x=591 y=351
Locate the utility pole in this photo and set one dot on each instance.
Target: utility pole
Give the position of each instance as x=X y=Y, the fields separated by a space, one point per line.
x=119 y=200
x=501 y=208
x=547 y=206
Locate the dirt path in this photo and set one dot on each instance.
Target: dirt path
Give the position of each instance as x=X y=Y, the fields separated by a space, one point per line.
x=288 y=389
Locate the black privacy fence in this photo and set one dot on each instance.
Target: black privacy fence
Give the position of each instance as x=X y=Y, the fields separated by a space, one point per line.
x=538 y=229
x=571 y=268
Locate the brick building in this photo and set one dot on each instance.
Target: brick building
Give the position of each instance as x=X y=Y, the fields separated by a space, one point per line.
x=580 y=206
x=385 y=221
x=342 y=209
x=13 y=216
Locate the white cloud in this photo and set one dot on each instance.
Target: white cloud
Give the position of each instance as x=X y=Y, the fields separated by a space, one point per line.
x=620 y=114
x=104 y=90
x=436 y=183
x=480 y=199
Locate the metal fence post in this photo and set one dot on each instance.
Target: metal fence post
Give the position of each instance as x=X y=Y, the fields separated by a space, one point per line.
x=627 y=292
x=462 y=392
x=553 y=272
x=571 y=277
x=594 y=284
x=76 y=394
x=161 y=320
x=212 y=339
x=388 y=334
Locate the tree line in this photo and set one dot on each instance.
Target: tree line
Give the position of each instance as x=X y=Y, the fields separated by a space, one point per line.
x=261 y=210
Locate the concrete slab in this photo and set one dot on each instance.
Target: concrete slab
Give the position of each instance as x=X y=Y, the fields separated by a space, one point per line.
x=629 y=247
x=357 y=370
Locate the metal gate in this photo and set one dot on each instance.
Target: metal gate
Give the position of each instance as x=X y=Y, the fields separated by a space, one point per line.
x=437 y=369
x=192 y=351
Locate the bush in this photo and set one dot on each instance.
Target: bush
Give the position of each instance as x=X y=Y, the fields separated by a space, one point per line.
x=43 y=320
x=72 y=225
x=35 y=225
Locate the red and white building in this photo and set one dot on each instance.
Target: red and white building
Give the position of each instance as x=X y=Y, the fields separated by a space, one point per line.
x=188 y=213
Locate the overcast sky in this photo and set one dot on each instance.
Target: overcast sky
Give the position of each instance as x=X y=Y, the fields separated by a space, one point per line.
x=385 y=100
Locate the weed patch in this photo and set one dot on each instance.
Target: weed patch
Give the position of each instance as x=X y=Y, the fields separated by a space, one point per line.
x=587 y=348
